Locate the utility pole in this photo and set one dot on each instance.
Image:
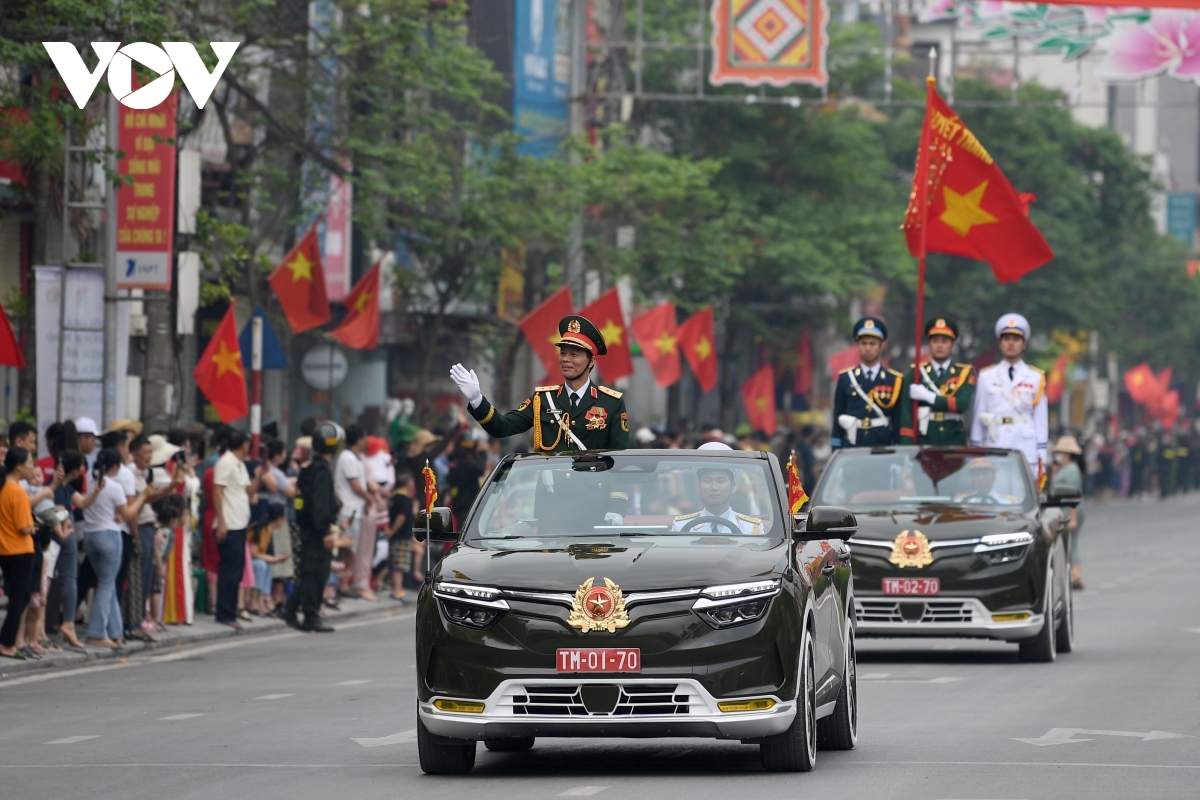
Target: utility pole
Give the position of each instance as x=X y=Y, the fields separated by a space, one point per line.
x=158 y=387
x=576 y=112
x=110 y=270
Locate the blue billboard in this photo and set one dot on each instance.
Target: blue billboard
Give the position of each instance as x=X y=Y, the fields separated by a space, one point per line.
x=541 y=73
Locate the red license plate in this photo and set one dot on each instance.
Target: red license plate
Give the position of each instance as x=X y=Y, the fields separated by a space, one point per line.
x=912 y=586
x=600 y=659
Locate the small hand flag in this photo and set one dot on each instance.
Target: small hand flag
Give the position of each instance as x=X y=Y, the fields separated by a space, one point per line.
x=797 y=497
x=431 y=493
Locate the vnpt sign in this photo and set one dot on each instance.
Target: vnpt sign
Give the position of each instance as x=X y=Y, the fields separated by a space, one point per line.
x=165 y=60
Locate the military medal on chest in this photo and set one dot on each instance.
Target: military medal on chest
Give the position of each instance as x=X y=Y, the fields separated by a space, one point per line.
x=597 y=418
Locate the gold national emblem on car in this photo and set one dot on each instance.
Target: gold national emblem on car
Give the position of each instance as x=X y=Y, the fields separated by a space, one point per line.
x=911 y=549
x=598 y=608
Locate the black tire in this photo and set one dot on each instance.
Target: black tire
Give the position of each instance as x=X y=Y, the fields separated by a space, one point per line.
x=796 y=749
x=839 y=731
x=1042 y=649
x=443 y=759
x=1064 y=638
x=522 y=745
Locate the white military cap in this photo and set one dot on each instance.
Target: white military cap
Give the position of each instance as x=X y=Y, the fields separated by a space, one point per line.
x=1012 y=323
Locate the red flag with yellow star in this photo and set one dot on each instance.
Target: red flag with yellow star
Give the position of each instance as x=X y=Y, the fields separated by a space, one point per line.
x=220 y=375
x=696 y=339
x=431 y=492
x=360 y=328
x=606 y=314
x=299 y=283
x=797 y=497
x=656 y=334
x=971 y=210
x=758 y=394
x=540 y=327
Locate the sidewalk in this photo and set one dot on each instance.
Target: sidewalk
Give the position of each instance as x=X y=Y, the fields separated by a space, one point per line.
x=202 y=630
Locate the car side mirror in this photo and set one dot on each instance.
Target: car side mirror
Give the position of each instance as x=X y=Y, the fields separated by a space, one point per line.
x=1063 y=496
x=826 y=522
x=436 y=527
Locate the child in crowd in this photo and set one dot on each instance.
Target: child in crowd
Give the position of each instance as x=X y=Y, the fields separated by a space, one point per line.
x=401 y=510
x=259 y=537
x=169 y=515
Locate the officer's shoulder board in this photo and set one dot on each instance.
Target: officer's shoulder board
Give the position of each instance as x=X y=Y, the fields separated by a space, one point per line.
x=1038 y=370
x=747 y=518
x=610 y=392
x=894 y=373
x=847 y=371
x=963 y=367
x=682 y=517
x=546 y=388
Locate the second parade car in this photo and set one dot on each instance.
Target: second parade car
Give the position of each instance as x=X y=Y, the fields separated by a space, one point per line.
x=649 y=593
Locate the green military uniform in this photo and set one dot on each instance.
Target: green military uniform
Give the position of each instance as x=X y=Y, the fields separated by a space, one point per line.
x=593 y=418
x=955 y=385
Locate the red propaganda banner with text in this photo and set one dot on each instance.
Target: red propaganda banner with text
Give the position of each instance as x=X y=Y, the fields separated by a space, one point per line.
x=146 y=207
x=776 y=42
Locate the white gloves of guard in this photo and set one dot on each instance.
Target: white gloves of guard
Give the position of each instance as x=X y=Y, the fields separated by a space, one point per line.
x=921 y=393
x=613 y=518
x=468 y=384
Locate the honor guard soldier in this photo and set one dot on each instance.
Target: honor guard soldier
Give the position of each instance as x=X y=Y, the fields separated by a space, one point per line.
x=942 y=390
x=1010 y=408
x=574 y=415
x=866 y=403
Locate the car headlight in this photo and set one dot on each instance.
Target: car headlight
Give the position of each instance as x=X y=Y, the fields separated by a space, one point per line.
x=476 y=607
x=1001 y=548
x=736 y=603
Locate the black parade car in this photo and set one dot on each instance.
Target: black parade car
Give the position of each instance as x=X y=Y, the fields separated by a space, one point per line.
x=649 y=593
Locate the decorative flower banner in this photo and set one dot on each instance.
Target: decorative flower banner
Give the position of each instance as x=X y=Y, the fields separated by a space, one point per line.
x=1140 y=42
x=776 y=42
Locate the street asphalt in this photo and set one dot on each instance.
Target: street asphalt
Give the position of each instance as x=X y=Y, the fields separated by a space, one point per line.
x=285 y=714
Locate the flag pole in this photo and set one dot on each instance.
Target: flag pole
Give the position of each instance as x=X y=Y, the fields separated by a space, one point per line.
x=923 y=206
x=256 y=376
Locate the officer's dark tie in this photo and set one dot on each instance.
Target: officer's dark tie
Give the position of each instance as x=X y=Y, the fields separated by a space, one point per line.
x=1011 y=371
x=574 y=402
x=938 y=377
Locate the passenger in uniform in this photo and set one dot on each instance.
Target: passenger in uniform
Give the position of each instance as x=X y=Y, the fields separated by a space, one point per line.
x=1010 y=409
x=982 y=473
x=866 y=402
x=942 y=390
x=574 y=415
x=716 y=487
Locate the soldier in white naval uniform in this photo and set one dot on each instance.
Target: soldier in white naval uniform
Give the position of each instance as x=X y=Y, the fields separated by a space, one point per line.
x=716 y=487
x=1010 y=409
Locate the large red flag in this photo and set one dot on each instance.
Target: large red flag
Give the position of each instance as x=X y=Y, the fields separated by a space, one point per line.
x=758 y=394
x=842 y=360
x=540 y=327
x=606 y=314
x=804 y=365
x=299 y=283
x=972 y=210
x=219 y=373
x=696 y=338
x=360 y=328
x=1169 y=409
x=656 y=332
x=10 y=350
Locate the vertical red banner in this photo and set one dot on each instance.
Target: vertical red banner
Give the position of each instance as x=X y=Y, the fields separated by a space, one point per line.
x=146 y=206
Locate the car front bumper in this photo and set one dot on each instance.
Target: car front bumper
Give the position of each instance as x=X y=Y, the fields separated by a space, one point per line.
x=878 y=615
x=556 y=708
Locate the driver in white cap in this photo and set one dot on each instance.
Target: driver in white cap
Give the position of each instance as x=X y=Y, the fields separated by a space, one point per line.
x=716 y=486
x=1010 y=409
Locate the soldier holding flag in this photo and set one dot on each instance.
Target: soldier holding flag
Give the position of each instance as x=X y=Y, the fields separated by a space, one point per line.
x=942 y=391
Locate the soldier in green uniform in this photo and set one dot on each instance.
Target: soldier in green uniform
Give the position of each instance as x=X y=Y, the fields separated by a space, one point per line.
x=941 y=389
x=572 y=416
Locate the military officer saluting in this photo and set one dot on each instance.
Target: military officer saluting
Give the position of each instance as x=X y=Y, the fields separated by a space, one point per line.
x=574 y=415
x=942 y=390
x=866 y=403
x=1010 y=408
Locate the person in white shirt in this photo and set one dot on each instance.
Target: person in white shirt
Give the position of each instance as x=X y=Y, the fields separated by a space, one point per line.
x=233 y=494
x=355 y=491
x=716 y=487
x=1011 y=410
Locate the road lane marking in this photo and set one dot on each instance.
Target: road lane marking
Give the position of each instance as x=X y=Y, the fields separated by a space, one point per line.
x=395 y=738
x=873 y=676
x=182 y=716
x=353 y=683
x=582 y=791
x=942 y=679
x=73 y=739
x=274 y=696
x=1192 y=630
x=395 y=765
x=1066 y=736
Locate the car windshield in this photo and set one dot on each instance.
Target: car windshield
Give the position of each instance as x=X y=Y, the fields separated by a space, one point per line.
x=632 y=495
x=867 y=480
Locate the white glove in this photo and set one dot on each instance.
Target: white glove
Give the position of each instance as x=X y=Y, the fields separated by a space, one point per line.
x=613 y=518
x=850 y=425
x=924 y=394
x=988 y=420
x=468 y=384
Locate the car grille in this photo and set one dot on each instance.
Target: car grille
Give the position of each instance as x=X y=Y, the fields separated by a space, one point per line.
x=921 y=612
x=620 y=700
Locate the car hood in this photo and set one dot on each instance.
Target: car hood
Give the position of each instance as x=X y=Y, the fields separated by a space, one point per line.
x=634 y=564
x=942 y=523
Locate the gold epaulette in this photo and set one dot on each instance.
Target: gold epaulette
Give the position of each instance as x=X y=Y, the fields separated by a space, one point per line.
x=682 y=517
x=897 y=374
x=545 y=388
x=610 y=392
x=747 y=517
x=847 y=369
x=962 y=366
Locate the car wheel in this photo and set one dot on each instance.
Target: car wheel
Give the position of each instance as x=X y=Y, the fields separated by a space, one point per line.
x=839 y=731
x=1041 y=648
x=443 y=759
x=795 y=750
x=1065 y=637
x=522 y=745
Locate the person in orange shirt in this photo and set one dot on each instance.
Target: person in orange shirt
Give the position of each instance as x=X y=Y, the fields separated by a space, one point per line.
x=16 y=547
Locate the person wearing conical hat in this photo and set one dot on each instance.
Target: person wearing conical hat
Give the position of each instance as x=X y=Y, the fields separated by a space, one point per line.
x=571 y=416
x=941 y=389
x=1010 y=409
x=866 y=402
